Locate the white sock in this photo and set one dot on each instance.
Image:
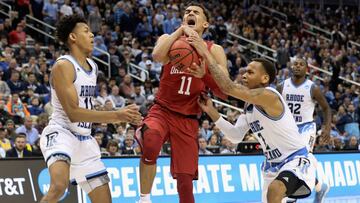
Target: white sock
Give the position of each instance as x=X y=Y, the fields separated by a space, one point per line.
x=145 y=197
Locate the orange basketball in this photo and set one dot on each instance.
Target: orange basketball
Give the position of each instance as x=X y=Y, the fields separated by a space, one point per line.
x=182 y=54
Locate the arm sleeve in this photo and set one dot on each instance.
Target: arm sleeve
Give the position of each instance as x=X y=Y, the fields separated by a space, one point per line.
x=234 y=133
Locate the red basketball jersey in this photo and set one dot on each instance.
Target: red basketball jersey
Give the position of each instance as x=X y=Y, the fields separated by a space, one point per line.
x=179 y=91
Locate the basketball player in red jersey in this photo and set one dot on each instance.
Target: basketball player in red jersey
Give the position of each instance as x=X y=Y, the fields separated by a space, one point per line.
x=174 y=115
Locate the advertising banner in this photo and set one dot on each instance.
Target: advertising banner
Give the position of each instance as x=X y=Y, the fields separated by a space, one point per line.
x=222 y=179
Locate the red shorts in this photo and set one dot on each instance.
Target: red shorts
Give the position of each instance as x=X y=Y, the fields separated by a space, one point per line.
x=182 y=132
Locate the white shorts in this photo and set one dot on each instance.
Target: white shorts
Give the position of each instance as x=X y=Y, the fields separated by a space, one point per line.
x=83 y=152
x=308 y=132
x=305 y=171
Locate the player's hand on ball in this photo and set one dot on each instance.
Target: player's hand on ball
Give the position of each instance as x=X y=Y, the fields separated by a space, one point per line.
x=130 y=114
x=196 y=70
x=198 y=43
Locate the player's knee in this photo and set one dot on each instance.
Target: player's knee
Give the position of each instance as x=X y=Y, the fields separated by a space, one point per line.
x=151 y=146
x=276 y=191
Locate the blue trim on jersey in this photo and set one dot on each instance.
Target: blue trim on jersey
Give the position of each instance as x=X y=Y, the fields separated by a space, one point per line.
x=297 y=86
x=306 y=126
x=275 y=166
x=57 y=153
x=82 y=137
x=271 y=117
x=96 y=174
x=86 y=71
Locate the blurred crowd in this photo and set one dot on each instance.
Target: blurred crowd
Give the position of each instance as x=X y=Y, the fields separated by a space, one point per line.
x=128 y=30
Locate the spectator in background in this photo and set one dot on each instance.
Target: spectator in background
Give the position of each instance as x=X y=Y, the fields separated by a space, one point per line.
x=99 y=135
x=19 y=150
x=113 y=148
x=205 y=131
x=202 y=146
x=66 y=9
x=15 y=84
x=227 y=147
x=116 y=99
x=143 y=29
x=4 y=142
x=119 y=136
x=95 y=20
x=127 y=87
x=138 y=95
x=4 y=87
x=3 y=112
x=50 y=12
x=352 y=125
x=213 y=144
x=99 y=44
x=352 y=144
x=128 y=148
x=35 y=108
x=10 y=130
x=18 y=35
x=338 y=144
x=168 y=26
x=16 y=108
x=32 y=134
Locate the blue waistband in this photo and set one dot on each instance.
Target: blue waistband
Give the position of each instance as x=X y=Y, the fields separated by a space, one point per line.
x=82 y=137
x=275 y=166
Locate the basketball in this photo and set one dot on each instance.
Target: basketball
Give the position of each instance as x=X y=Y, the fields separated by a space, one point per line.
x=182 y=54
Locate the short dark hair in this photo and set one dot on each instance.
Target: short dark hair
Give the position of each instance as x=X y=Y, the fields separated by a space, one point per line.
x=20 y=135
x=269 y=68
x=303 y=59
x=66 y=25
x=205 y=10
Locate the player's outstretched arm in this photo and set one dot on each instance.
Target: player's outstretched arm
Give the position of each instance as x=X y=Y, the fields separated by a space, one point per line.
x=319 y=97
x=235 y=133
x=163 y=44
x=62 y=77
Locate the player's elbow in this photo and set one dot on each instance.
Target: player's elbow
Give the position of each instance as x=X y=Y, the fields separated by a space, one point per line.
x=72 y=115
x=158 y=56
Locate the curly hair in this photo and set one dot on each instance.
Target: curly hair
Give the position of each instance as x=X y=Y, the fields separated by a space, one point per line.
x=66 y=25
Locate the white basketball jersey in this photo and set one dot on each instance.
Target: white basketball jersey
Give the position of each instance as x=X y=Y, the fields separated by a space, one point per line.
x=300 y=101
x=279 y=137
x=85 y=85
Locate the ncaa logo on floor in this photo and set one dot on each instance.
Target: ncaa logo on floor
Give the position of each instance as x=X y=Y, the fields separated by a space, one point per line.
x=44 y=183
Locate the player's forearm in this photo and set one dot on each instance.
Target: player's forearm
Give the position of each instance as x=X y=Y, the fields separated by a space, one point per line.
x=327 y=117
x=162 y=47
x=85 y=115
x=231 y=132
x=221 y=79
x=213 y=114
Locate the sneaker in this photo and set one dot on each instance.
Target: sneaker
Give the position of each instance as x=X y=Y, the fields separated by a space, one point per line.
x=319 y=196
